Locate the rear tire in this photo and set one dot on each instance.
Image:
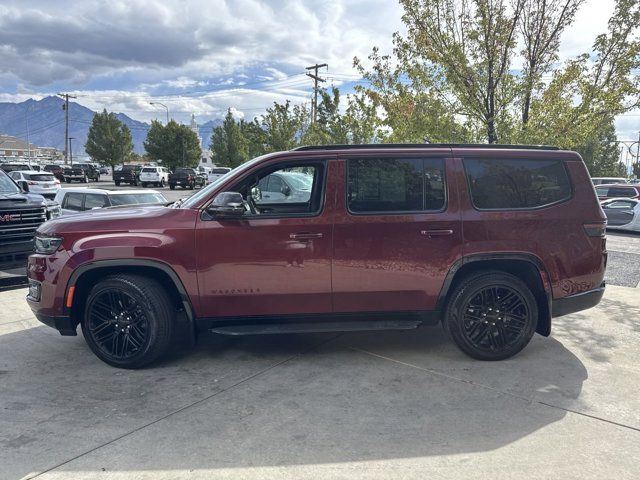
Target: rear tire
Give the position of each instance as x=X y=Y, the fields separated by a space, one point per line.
x=491 y=315
x=128 y=320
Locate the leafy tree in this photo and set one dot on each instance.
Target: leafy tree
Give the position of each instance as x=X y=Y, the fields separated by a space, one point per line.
x=174 y=144
x=541 y=25
x=452 y=76
x=228 y=144
x=283 y=126
x=472 y=45
x=601 y=154
x=109 y=140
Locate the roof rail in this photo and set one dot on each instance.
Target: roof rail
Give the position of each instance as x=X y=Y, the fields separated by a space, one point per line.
x=368 y=146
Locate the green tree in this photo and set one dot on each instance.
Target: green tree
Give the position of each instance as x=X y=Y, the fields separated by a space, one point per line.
x=601 y=154
x=452 y=77
x=173 y=144
x=228 y=144
x=109 y=140
x=283 y=126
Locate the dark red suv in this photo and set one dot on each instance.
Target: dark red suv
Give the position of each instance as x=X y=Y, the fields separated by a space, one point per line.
x=490 y=241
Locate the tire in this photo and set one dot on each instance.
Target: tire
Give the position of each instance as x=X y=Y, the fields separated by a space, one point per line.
x=172 y=186
x=144 y=184
x=483 y=324
x=117 y=184
x=144 y=336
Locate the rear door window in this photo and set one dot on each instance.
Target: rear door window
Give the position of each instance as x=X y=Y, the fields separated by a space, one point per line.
x=73 y=201
x=395 y=185
x=503 y=184
x=95 y=200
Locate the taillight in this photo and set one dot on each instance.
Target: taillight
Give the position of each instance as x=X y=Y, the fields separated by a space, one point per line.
x=32 y=183
x=595 y=229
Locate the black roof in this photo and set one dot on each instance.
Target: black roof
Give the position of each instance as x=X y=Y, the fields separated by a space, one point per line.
x=307 y=148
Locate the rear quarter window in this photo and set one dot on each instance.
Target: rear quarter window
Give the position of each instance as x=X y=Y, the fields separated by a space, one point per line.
x=622 y=192
x=505 y=184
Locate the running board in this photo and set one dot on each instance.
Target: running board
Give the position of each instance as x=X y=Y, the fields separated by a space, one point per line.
x=316 y=327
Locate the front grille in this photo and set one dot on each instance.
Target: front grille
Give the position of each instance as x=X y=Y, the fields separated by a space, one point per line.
x=20 y=225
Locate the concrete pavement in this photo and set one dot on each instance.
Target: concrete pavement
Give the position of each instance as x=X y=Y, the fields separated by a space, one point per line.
x=379 y=405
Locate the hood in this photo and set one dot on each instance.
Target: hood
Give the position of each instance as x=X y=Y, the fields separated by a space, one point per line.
x=21 y=199
x=135 y=218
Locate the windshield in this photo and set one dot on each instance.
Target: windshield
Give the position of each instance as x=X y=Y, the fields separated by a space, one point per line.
x=196 y=197
x=136 y=198
x=149 y=169
x=6 y=185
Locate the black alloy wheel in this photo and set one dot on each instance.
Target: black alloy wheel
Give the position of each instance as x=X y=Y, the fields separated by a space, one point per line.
x=491 y=315
x=128 y=320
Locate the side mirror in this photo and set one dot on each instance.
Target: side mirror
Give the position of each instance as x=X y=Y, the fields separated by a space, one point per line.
x=24 y=186
x=227 y=204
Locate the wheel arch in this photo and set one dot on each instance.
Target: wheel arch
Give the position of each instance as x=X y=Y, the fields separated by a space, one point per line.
x=84 y=277
x=527 y=267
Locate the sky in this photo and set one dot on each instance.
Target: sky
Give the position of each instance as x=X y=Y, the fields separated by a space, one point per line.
x=205 y=56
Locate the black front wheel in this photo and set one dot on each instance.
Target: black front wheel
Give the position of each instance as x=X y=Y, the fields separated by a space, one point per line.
x=491 y=315
x=128 y=320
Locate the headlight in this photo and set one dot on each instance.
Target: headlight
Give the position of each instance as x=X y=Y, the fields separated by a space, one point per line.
x=47 y=245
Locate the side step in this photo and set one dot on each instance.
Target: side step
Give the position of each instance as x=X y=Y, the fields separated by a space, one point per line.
x=316 y=327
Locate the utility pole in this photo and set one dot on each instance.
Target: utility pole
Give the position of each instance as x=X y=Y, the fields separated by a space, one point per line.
x=316 y=79
x=65 y=107
x=71 y=150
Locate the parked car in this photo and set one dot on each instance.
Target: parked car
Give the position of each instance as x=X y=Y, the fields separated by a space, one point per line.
x=608 y=180
x=217 y=172
x=104 y=170
x=10 y=167
x=90 y=170
x=605 y=192
x=622 y=213
x=75 y=200
x=57 y=170
x=20 y=215
x=390 y=237
x=42 y=183
x=127 y=174
x=186 y=178
x=155 y=175
x=80 y=173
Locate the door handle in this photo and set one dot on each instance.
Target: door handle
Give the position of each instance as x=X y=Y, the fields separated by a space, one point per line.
x=305 y=236
x=436 y=233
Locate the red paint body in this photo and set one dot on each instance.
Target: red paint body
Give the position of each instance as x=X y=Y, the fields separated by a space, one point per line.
x=355 y=263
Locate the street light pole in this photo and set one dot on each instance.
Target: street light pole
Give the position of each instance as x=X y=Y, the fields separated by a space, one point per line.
x=167 y=108
x=71 y=151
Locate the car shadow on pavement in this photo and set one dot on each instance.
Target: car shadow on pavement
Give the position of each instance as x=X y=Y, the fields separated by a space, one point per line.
x=273 y=400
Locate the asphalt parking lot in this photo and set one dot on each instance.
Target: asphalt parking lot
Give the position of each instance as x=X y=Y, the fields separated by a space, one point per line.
x=384 y=405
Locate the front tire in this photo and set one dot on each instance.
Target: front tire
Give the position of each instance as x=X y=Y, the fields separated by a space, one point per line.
x=491 y=315
x=128 y=320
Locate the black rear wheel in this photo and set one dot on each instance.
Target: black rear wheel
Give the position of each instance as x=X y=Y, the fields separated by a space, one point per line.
x=491 y=315
x=128 y=320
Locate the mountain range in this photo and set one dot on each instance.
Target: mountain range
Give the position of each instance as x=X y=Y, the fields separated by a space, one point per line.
x=43 y=122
